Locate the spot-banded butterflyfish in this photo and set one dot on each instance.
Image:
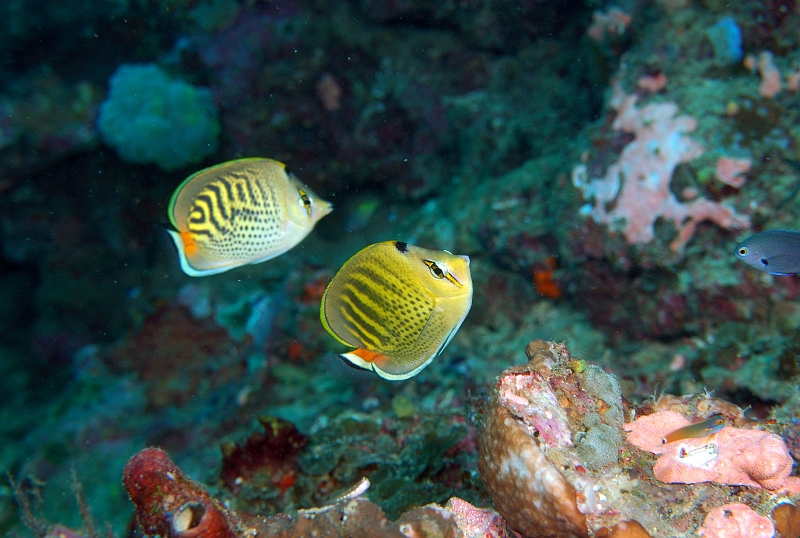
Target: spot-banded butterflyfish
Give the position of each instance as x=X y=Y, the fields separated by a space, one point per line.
x=700 y=429
x=399 y=305
x=776 y=252
x=240 y=212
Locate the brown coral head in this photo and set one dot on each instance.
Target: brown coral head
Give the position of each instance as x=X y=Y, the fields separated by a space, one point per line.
x=527 y=489
x=787 y=520
x=540 y=356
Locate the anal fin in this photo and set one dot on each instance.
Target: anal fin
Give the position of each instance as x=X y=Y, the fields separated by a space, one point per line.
x=362 y=358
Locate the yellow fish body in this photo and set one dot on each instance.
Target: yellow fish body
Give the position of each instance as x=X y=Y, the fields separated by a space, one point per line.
x=240 y=212
x=398 y=305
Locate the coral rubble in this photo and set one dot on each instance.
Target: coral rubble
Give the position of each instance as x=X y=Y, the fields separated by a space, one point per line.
x=170 y=505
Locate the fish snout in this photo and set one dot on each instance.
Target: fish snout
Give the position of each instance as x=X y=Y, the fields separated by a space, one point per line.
x=321 y=208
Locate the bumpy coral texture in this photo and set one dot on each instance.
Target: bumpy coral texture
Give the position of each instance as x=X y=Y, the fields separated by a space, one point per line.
x=734 y=456
x=532 y=494
x=736 y=521
x=529 y=396
x=150 y=118
x=477 y=522
x=523 y=421
x=637 y=186
x=169 y=504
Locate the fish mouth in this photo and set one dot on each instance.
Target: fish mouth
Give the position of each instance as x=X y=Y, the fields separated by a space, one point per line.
x=460 y=276
x=324 y=208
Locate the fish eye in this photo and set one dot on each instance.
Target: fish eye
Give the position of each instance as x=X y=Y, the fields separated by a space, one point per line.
x=764 y=261
x=743 y=251
x=305 y=200
x=436 y=271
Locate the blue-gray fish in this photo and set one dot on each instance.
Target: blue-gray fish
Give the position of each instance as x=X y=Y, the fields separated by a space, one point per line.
x=776 y=252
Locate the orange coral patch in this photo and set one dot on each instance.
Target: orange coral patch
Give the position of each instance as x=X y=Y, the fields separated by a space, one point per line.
x=543 y=280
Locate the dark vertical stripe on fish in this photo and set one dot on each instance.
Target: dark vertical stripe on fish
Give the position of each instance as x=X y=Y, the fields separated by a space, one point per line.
x=212 y=220
x=241 y=197
x=254 y=203
x=366 y=312
x=228 y=188
x=265 y=196
x=356 y=328
x=221 y=205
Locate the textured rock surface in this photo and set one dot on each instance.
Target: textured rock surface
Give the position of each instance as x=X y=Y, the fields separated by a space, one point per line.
x=535 y=498
x=525 y=418
x=169 y=504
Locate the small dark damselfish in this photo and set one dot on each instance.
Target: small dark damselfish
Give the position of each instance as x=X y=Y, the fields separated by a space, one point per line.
x=776 y=252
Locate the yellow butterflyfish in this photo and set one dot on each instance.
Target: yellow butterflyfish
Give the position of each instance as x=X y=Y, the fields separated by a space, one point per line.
x=399 y=305
x=240 y=212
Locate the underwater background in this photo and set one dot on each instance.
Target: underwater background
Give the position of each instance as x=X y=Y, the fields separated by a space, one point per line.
x=599 y=162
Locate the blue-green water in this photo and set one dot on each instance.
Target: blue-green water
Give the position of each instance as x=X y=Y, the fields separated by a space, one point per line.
x=575 y=151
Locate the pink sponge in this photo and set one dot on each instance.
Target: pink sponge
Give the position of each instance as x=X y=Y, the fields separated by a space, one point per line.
x=734 y=456
x=736 y=521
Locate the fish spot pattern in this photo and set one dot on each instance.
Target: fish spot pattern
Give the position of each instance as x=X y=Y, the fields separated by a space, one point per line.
x=377 y=309
x=381 y=306
x=237 y=216
x=385 y=301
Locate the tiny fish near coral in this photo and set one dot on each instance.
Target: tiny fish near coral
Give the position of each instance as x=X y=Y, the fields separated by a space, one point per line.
x=700 y=429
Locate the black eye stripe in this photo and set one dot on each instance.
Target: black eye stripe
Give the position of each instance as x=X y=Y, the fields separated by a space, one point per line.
x=435 y=270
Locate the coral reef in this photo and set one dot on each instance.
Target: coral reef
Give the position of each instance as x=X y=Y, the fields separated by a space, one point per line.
x=454 y=125
x=171 y=505
x=476 y=522
x=638 y=185
x=543 y=485
x=735 y=456
x=736 y=521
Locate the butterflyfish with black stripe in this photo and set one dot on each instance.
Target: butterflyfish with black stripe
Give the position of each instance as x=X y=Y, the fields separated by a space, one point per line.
x=240 y=212
x=398 y=305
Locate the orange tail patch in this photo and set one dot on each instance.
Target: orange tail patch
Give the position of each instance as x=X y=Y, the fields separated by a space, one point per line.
x=189 y=246
x=367 y=355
